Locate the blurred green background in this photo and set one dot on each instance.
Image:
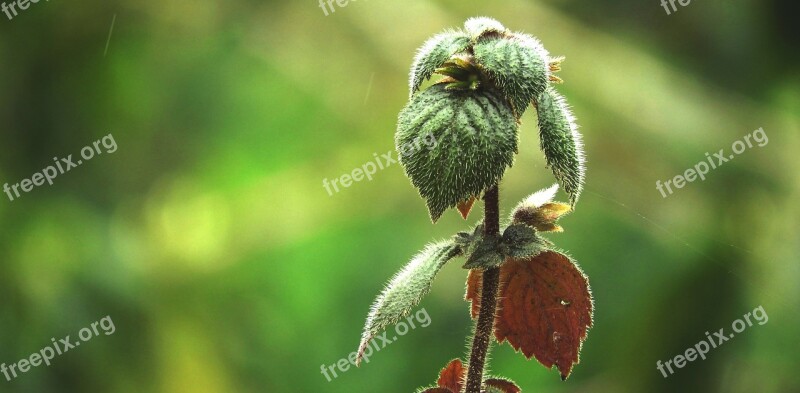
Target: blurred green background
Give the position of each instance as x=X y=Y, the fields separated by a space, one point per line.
x=226 y=267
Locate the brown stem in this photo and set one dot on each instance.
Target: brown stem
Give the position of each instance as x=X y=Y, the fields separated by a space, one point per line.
x=489 y=288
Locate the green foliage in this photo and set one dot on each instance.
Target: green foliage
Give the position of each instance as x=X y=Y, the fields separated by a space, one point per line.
x=490 y=77
x=517 y=66
x=521 y=241
x=517 y=241
x=484 y=253
x=561 y=142
x=494 y=76
x=476 y=138
x=481 y=26
x=406 y=289
x=435 y=52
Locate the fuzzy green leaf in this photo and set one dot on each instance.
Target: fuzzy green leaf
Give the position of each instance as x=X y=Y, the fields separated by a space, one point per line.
x=517 y=241
x=561 y=142
x=433 y=53
x=480 y=26
x=475 y=134
x=521 y=241
x=484 y=253
x=517 y=65
x=406 y=289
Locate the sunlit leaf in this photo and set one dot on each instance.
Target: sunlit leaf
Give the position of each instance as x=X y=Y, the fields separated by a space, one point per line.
x=405 y=290
x=464 y=207
x=561 y=142
x=451 y=378
x=501 y=385
x=521 y=241
x=545 y=308
x=537 y=211
x=475 y=135
x=480 y=26
x=517 y=65
x=433 y=53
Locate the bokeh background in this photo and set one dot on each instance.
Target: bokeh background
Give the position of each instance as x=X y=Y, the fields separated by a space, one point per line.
x=226 y=267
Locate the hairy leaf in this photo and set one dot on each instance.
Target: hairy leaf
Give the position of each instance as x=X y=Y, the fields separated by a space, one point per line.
x=484 y=253
x=451 y=378
x=545 y=308
x=501 y=385
x=539 y=212
x=476 y=138
x=479 y=26
x=517 y=65
x=538 y=198
x=405 y=290
x=464 y=207
x=474 y=288
x=561 y=142
x=433 y=53
x=521 y=241
x=517 y=241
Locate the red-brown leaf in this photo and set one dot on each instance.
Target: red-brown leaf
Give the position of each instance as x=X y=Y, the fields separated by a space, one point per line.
x=544 y=309
x=437 y=390
x=464 y=207
x=474 y=280
x=452 y=376
x=503 y=384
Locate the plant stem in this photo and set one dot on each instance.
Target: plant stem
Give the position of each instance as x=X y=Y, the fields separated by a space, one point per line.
x=489 y=288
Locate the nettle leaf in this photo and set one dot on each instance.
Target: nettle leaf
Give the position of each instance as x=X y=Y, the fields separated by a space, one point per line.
x=484 y=253
x=406 y=289
x=561 y=142
x=538 y=211
x=501 y=385
x=451 y=378
x=475 y=134
x=517 y=241
x=433 y=53
x=517 y=65
x=464 y=207
x=474 y=289
x=545 y=308
x=521 y=241
x=480 y=26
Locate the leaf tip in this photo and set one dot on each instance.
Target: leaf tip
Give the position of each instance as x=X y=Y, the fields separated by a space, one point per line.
x=464 y=207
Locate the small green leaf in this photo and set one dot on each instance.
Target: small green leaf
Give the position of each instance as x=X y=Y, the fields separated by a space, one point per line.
x=517 y=241
x=561 y=142
x=406 y=289
x=484 y=253
x=480 y=26
x=521 y=241
x=433 y=53
x=475 y=134
x=467 y=240
x=517 y=65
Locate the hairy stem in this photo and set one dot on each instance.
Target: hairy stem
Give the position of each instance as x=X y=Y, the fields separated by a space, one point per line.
x=491 y=279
